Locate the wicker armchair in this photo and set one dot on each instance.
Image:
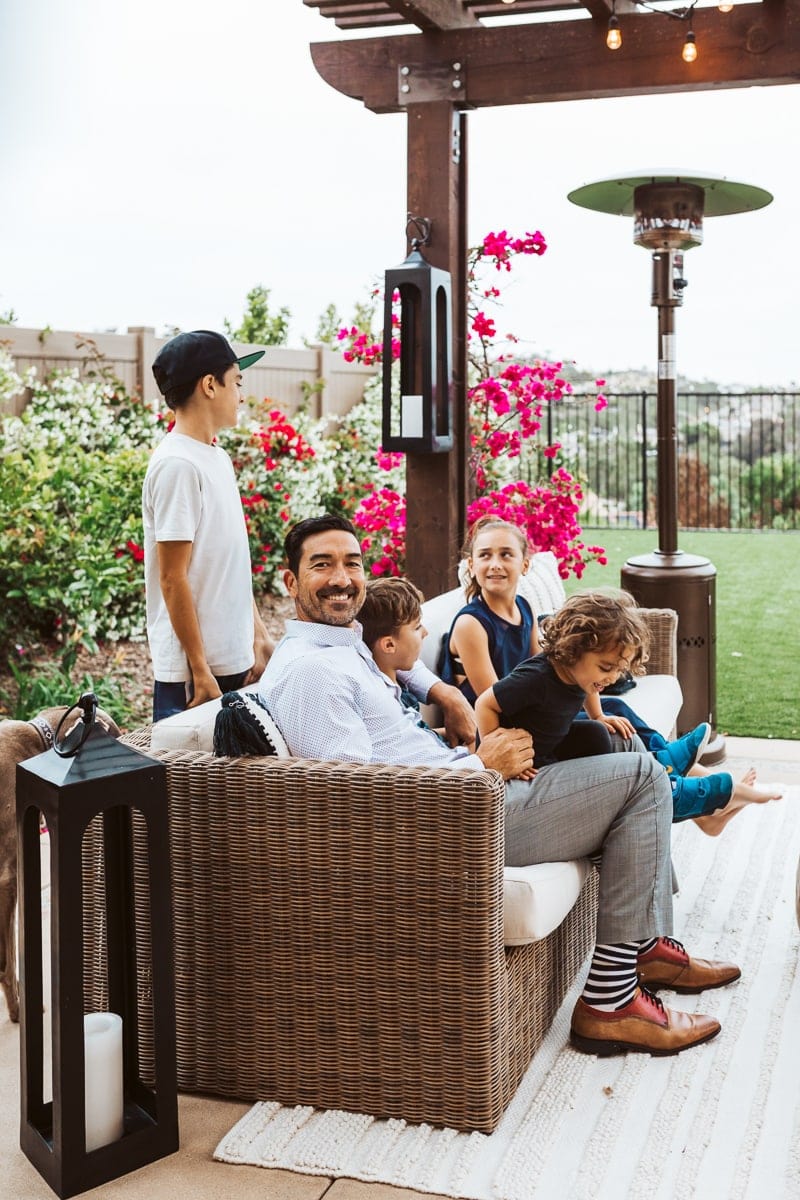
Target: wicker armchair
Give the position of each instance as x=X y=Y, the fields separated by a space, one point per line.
x=339 y=935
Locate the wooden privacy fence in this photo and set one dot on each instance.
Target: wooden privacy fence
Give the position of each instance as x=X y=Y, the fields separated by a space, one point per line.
x=280 y=375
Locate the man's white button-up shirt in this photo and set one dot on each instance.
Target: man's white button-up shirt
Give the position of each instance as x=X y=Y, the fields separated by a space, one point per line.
x=330 y=700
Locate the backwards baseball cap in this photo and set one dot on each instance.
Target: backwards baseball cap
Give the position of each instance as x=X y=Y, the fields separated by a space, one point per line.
x=189 y=356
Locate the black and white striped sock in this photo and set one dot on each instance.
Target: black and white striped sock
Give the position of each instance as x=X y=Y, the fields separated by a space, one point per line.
x=611 y=982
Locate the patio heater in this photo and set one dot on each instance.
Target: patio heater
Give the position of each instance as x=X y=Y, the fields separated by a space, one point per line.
x=668 y=209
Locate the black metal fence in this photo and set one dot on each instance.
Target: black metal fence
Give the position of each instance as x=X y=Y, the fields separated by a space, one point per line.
x=737 y=458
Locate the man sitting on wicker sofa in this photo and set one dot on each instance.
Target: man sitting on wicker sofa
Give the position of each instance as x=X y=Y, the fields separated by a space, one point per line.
x=330 y=701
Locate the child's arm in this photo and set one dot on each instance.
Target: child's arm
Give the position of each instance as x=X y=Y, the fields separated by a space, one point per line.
x=535 y=646
x=469 y=641
x=594 y=709
x=487 y=712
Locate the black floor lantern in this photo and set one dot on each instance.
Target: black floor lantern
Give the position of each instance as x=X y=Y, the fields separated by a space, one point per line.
x=103 y=1120
x=418 y=404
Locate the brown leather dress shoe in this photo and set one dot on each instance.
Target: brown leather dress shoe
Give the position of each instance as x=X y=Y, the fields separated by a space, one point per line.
x=644 y=1025
x=668 y=965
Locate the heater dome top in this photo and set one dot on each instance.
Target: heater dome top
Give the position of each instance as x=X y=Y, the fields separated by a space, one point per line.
x=722 y=196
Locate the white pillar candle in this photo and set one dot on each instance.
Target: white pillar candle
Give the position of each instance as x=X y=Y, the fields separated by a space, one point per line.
x=411 y=419
x=102 y=1044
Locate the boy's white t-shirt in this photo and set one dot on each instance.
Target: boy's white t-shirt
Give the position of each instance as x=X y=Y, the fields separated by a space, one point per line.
x=190 y=495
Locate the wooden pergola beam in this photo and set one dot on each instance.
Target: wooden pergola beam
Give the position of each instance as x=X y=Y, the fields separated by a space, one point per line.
x=429 y=16
x=569 y=60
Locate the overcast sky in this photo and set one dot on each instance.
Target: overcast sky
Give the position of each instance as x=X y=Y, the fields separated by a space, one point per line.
x=162 y=158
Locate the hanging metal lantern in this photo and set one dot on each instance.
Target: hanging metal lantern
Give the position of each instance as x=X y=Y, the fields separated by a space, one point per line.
x=417 y=393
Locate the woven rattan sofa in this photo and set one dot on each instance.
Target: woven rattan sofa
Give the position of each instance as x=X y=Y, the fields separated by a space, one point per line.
x=339 y=935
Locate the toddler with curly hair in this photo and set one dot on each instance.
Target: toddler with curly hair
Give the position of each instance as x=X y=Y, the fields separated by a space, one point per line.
x=594 y=637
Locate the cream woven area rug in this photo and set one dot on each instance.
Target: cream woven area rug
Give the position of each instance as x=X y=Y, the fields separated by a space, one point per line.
x=721 y=1122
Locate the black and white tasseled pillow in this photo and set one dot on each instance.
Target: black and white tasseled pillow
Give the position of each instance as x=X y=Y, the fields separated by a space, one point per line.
x=244 y=728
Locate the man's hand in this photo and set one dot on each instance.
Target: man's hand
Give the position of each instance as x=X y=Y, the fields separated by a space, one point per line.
x=459 y=719
x=509 y=751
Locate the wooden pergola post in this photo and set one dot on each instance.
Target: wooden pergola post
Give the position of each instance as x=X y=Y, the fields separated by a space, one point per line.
x=436 y=484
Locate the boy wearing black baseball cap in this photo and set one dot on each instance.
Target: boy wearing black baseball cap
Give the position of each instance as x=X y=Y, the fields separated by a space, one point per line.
x=204 y=630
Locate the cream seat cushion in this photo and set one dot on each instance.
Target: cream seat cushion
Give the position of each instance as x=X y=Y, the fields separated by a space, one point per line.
x=537 y=899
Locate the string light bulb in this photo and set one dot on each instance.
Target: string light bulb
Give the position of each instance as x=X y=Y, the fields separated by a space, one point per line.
x=614 y=34
x=689 y=51
x=725 y=7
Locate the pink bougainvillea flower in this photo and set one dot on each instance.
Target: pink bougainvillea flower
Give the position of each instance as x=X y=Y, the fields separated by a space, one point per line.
x=483 y=325
x=532 y=243
x=387 y=460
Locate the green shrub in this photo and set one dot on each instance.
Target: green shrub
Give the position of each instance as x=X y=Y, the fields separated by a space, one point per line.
x=11 y=384
x=70 y=553
x=772 y=485
x=51 y=684
x=92 y=411
x=70 y=509
x=70 y=497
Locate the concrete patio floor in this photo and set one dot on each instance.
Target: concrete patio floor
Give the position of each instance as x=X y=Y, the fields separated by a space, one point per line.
x=191 y=1173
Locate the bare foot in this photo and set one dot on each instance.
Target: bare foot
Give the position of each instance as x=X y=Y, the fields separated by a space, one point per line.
x=743 y=793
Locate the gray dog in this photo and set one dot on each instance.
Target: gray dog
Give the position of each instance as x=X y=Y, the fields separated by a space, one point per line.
x=20 y=740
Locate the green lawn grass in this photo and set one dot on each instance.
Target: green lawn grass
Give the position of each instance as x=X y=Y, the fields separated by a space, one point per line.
x=758 y=620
